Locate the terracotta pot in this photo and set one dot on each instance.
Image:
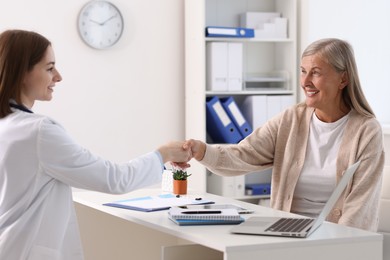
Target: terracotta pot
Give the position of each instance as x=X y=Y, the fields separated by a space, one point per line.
x=180 y=186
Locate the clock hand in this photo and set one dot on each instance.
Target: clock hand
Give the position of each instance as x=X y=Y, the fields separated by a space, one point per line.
x=95 y=22
x=112 y=17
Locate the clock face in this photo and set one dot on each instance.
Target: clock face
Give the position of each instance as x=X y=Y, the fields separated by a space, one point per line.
x=100 y=24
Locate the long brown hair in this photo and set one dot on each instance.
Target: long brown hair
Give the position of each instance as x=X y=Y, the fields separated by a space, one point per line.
x=340 y=55
x=19 y=51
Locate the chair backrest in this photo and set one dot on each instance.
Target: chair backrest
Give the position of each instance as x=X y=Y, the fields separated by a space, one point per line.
x=384 y=213
x=384 y=210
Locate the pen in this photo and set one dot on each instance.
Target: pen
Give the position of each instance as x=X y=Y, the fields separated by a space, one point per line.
x=203 y=212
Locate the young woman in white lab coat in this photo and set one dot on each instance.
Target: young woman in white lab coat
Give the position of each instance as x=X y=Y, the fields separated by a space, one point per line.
x=39 y=161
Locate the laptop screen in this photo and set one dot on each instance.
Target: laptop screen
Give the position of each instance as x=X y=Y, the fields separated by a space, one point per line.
x=335 y=196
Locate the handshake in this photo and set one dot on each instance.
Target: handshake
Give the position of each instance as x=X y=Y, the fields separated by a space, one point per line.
x=179 y=153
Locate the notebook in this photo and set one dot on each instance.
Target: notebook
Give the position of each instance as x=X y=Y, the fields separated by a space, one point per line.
x=185 y=216
x=294 y=227
x=240 y=209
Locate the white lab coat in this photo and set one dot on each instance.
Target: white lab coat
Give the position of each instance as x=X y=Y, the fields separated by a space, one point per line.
x=39 y=163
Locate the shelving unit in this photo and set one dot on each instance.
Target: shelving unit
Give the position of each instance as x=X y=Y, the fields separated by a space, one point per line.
x=262 y=57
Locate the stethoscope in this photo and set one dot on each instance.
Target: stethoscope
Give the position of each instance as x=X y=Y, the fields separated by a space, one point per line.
x=20 y=107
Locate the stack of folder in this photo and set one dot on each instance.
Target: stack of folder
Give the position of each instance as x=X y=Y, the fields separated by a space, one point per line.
x=155 y=203
x=224 y=120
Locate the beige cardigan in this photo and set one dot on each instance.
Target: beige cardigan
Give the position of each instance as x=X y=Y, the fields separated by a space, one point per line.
x=281 y=143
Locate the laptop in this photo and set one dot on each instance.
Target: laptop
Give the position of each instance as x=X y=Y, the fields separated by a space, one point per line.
x=297 y=226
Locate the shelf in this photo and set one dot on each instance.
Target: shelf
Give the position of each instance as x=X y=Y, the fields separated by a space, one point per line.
x=231 y=39
x=262 y=87
x=251 y=92
x=265 y=79
x=252 y=197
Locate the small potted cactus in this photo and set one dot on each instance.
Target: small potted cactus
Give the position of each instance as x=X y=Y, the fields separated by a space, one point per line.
x=180 y=181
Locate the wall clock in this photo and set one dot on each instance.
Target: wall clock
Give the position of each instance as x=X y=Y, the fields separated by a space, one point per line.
x=100 y=24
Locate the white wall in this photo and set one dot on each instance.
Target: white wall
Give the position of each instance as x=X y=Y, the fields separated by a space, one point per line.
x=365 y=24
x=120 y=102
x=128 y=100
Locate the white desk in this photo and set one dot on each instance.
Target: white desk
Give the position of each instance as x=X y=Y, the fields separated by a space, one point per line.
x=154 y=229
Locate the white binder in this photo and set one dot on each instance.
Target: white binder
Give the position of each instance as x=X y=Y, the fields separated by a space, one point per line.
x=224 y=66
x=254 y=108
x=233 y=187
x=217 y=71
x=234 y=66
x=259 y=109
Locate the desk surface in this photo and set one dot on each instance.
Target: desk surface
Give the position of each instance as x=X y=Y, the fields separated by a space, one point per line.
x=219 y=237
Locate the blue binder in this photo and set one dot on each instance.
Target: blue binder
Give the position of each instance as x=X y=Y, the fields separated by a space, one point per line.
x=218 y=31
x=219 y=125
x=236 y=116
x=259 y=188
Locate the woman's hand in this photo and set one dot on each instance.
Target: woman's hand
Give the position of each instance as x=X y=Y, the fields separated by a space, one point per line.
x=176 y=153
x=197 y=148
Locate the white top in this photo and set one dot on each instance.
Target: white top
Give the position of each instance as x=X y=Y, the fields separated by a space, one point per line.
x=38 y=164
x=318 y=177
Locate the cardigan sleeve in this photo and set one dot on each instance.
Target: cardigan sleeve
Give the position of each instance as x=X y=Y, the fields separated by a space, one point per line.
x=359 y=207
x=254 y=153
x=274 y=144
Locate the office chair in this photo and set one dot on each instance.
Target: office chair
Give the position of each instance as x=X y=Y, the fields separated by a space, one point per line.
x=384 y=213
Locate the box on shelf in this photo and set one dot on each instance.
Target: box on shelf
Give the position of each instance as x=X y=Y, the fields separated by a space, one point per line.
x=273 y=79
x=266 y=24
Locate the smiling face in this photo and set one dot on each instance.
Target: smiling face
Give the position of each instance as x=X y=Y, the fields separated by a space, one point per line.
x=323 y=87
x=39 y=82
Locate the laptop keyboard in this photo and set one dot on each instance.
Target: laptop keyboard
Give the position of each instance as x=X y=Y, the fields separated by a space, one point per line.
x=290 y=225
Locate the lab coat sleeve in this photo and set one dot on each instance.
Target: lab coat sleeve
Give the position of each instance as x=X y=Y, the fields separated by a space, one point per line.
x=63 y=159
